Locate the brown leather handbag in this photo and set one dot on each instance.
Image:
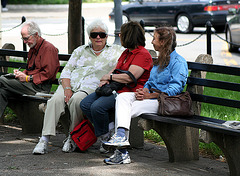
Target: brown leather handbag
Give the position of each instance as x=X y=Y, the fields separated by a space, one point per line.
x=179 y=105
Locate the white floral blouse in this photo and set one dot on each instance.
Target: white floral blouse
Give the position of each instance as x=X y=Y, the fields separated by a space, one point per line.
x=85 y=68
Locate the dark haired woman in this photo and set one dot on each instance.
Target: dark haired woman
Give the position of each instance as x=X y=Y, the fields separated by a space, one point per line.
x=135 y=59
x=169 y=75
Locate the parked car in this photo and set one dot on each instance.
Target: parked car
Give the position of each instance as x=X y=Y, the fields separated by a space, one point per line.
x=185 y=14
x=232 y=31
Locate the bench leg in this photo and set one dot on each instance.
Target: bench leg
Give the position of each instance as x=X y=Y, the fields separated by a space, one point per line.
x=182 y=142
x=30 y=117
x=136 y=137
x=230 y=145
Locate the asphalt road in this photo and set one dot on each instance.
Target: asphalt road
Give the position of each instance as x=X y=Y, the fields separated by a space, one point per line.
x=53 y=21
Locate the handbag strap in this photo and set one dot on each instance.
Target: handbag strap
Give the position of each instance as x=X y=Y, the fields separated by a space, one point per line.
x=129 y=74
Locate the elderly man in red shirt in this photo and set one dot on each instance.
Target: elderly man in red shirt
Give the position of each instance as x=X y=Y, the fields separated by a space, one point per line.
x=42 y=67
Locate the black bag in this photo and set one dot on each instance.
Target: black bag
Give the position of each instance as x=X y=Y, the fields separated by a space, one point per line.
x=107 y=89
x=179 y=105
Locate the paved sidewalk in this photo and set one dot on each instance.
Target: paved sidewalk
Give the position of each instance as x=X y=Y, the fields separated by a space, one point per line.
x=16 y=158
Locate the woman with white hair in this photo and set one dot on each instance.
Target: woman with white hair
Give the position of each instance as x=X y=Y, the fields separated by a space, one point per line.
x=80 y=77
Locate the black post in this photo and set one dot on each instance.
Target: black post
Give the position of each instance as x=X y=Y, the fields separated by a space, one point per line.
x=142 y=23
x=24 y=44
x=83 y=29
x=209 y=33
x=117 y=20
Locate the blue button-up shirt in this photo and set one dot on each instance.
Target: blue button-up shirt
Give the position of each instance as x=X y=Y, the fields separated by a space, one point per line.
x=171 y=79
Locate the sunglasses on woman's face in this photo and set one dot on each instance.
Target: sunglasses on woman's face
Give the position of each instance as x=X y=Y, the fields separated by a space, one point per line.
x=95 y=34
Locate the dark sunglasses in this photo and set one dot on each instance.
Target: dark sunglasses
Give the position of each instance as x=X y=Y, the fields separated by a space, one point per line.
x=95 y=34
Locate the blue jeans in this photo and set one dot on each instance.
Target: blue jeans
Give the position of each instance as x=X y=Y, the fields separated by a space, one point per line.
x=97 y=108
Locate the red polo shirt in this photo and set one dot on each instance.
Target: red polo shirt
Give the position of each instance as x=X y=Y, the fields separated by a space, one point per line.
x=140 y=57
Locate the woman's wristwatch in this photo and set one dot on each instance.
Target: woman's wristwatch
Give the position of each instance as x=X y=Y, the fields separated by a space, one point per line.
x=67 y=88
x=111 y=76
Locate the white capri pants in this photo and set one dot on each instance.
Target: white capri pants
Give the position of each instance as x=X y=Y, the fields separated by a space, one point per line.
x=128 y=107
x=56 y=107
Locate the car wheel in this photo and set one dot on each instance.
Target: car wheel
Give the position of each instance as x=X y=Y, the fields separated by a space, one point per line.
x=125 y=18
x=184 y=24
x=231 y=47
x=219 y=28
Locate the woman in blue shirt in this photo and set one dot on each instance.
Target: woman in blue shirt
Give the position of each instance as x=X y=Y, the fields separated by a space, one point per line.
x=169 y=74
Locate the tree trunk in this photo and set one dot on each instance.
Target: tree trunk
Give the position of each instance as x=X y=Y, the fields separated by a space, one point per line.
x=75 y=28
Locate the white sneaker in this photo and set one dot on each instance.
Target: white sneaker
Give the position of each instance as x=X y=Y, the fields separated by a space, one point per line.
x=4 y=9
x=41 y=147
x=102 y=139
x=118 y=158
x=102 y=149
x=117 y=141
x=69 y=145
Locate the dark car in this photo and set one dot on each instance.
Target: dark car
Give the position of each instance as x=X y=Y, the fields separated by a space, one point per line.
x=233 y=30
x=185 y=14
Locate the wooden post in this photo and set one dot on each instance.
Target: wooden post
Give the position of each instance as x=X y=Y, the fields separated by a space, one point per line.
x=74 y=25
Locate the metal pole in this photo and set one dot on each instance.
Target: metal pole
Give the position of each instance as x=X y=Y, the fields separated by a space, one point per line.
x=24 y=44
x=209 y=33
x=117 y=20
x=83 y=29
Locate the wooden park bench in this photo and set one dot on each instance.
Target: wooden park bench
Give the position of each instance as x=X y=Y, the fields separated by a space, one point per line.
x=181 y=135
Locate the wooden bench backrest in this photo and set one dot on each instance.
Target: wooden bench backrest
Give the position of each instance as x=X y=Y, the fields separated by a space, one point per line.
x=214 y=83
x=191 y=80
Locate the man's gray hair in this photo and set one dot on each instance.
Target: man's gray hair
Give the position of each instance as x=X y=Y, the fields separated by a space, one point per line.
x=32 y=28
x=95 y=24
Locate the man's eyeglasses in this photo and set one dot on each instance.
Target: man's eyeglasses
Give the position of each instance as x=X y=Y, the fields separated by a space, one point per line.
x=26 y=38
x=95 y=34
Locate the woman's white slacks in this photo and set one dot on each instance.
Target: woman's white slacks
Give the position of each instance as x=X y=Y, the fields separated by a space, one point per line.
x=128 y=107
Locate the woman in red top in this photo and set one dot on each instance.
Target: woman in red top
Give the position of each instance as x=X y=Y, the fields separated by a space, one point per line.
x=135 y=59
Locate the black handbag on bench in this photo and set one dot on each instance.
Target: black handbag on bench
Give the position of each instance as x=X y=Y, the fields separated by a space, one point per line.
x=107 y=89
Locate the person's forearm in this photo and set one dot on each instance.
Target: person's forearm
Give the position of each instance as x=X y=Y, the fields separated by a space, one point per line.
x=152 y=95
x=122 y=78
x=66 y=83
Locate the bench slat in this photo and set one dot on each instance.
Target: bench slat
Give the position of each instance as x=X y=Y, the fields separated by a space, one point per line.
x=213 y=83
x=12 y=64
x=7 y=52
x=215 y=100
x=214 y=68
x=30 y=98
x=204 y=123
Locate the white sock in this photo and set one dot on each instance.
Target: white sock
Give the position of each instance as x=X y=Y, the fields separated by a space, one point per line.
x=45 y=138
